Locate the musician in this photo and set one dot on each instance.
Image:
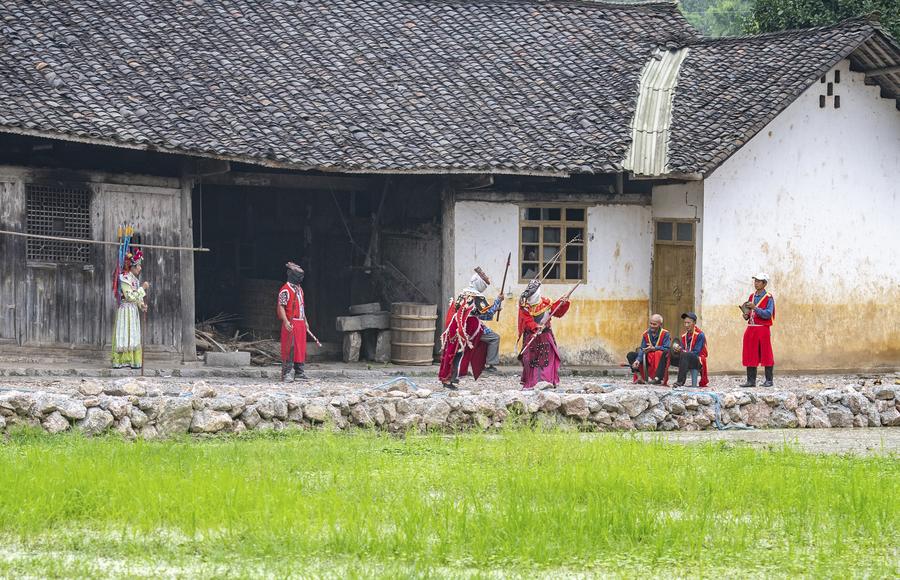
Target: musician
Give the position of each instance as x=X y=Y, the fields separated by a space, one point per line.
x=652 y=357
x=690 y=354
x=759 y=312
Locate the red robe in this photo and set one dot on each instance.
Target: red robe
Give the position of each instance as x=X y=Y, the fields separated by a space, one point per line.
x=293 y=344
x=688 y=346
x=653 y=359
x=462 y=330
x=758 y=337
x=540 y=356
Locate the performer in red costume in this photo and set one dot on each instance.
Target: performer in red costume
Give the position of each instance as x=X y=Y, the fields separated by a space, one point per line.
x=759 y=312
x=292 y=313
x=652 y=358
x=540 y=356
x=466 y=341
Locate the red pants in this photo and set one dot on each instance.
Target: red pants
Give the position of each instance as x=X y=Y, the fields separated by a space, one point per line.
x=653 y=360
x=758 y=347
x=293 y=344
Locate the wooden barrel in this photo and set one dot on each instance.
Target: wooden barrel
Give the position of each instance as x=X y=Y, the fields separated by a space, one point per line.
x=412 y=333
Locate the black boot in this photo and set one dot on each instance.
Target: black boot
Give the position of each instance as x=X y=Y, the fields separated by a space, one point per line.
x=770 y=373
x=298 y=372
x=287 y=373
x=751 y=377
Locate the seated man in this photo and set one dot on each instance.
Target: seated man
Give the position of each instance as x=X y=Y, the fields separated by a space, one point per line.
x=691 y=353
x=652 y=357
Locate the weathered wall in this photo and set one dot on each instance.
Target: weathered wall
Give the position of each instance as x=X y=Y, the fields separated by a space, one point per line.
x=51 y=308
x=607 y=313
x=812 y=199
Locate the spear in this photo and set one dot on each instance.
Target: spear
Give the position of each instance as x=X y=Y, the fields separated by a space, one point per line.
x=503 y=285
x=562 y=301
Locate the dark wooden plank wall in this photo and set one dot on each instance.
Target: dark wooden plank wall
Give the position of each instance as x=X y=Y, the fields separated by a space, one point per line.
x=12 y=256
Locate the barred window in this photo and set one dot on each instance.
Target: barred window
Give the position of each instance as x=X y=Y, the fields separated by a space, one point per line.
x=61 y=211
x=543 y=231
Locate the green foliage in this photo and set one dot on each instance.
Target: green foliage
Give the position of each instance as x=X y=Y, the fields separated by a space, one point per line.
x=774 y=15
x=719 y=17
x=368 y=505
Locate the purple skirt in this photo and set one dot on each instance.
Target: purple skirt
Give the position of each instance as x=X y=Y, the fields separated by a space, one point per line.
x=540 y=361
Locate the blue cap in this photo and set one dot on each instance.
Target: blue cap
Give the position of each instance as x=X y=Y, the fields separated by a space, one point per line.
x=690 y=315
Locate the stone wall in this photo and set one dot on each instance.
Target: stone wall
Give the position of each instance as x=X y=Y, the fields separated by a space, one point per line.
x=129 y=408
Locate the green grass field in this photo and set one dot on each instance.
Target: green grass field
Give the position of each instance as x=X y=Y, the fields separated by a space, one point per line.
x=520 y=503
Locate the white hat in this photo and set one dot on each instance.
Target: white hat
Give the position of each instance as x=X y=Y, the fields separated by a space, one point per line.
x=761 y=276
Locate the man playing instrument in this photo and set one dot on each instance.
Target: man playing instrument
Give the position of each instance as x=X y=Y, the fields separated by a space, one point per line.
x=652 y=357
x=540 y=356
x=466 y=340
x=691 y=353
x=759 y=312
x=291 y=309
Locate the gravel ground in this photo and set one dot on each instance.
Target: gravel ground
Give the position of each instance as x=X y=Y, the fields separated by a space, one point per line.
x=327 y=380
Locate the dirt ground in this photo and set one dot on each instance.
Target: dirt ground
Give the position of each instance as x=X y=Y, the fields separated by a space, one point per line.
x=884 y=441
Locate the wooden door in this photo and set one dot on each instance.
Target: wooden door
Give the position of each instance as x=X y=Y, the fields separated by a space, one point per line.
x=673 y=272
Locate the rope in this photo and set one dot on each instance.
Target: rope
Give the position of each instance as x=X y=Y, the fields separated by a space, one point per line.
x=718 y=409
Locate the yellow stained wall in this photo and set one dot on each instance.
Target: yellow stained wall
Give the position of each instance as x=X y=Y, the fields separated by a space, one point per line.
x=593 y=332
x=810 y=335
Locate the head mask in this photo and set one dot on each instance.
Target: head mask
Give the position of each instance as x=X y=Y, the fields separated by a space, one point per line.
x=478 y=284
x=294 y=273
x=535 y=298
x=532 y=293
x=294 y=277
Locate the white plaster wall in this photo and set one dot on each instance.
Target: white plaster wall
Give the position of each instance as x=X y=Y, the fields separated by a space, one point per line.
x=684 y=201
x=618 y=248
x=813 y=199
x=608 y=311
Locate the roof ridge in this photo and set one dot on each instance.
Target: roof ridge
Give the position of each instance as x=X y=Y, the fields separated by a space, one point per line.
x=837 y=25
x=585 y=3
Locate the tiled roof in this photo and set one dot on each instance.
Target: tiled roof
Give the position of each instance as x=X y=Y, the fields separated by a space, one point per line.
x=521 y=86
x=502 y=86
x=730 y=88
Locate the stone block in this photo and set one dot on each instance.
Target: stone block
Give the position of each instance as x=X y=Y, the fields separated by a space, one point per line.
x=370 y=308
x=228 y=359
x=378 y=320
x=352 y=346
x=376 y=345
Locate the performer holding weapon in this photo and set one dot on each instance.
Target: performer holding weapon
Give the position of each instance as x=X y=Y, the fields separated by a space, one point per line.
x=540 y=356
x=291 y=309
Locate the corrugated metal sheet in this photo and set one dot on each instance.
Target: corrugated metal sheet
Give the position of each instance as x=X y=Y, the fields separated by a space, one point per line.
x=648 y=154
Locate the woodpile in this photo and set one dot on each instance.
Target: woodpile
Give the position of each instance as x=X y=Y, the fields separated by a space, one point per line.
x=214 y=334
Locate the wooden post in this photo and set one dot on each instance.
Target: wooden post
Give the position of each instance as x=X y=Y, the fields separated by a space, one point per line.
x=186 y=265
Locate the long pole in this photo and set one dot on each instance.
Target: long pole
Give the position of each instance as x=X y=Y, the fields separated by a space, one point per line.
x=99 y=242
x=143 y=327
x=503 y=285
x=553 y=260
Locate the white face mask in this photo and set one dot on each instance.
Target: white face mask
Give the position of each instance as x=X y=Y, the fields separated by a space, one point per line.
x=535 y=298
x=478 y=284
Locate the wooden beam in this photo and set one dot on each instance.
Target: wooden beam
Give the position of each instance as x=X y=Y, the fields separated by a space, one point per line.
x=289 y=181
x=186 y=268
x=878 y=72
